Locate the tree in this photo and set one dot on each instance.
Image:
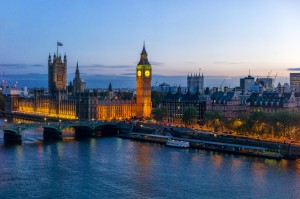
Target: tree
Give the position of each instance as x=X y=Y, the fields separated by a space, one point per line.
x=217 y=119
x=156 y=98
x=287 y=120
x=159 y=114
x=237 y=125
x=189 y=116
x=127 y=95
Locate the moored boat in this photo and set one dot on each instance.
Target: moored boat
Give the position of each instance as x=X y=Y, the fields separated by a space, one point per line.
x=177 y=143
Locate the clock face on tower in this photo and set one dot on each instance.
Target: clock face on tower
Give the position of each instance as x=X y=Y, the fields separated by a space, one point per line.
x=147 y=73
x=139 y=73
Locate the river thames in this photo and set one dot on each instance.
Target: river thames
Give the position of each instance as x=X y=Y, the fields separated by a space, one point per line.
x=119 y=168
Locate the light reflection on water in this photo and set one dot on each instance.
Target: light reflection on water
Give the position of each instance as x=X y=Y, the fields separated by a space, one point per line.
x=118 y=168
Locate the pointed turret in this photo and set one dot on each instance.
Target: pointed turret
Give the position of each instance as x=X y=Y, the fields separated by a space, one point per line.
x=65 y=58
x=49 y=59
x=144 y=57
x=110 y=91
x=110 y=87
x=77 y=74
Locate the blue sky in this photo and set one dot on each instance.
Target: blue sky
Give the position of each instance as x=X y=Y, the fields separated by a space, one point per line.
x=222 y=37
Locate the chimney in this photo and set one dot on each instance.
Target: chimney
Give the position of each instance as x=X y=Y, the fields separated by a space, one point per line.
x=215 y=89
x=280 y=90
x=225 y=90
x=261 y=90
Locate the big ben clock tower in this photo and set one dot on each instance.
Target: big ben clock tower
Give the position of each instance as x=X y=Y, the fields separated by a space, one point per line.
x=143 y=86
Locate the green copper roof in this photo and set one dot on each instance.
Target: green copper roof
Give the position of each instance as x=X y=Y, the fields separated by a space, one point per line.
x=146 y=66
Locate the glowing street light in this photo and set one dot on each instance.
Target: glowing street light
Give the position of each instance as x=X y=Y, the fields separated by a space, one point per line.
x=60 y=124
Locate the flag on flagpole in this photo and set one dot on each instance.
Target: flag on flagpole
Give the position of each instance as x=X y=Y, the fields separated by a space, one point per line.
x=59 y=44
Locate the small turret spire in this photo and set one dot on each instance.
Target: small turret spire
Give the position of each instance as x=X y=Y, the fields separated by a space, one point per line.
x=77 y=74
x=144 y=50
x=110 y=87
x=144 y=58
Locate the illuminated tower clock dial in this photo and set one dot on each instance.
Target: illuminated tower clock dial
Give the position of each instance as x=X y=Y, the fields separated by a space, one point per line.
x=147 y=73
x=139 y=73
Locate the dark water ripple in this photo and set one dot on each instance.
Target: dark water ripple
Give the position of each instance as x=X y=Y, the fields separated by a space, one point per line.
x=117 y=168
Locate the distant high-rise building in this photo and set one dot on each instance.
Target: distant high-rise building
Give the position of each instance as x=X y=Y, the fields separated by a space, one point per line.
x=246 y=83
x=267 y=82
x=195 y=82
x=294 y=80
x=57 y=74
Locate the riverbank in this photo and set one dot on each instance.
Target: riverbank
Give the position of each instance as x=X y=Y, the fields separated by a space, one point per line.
x=220 y=143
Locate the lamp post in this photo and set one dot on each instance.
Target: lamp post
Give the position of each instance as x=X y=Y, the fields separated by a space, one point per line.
x=93 y=122
x=5 y=120
x=19 y=127
x=45 y=119
x=60 y=124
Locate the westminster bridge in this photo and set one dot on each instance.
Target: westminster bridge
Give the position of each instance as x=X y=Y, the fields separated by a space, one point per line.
x=54 y=130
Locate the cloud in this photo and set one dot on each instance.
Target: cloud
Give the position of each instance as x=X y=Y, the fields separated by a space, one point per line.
x=17 y=66
x=128 y=74
x=98 y=66
x=37 y=65
x=294 y=69
x=153 y=63
x=224 y=62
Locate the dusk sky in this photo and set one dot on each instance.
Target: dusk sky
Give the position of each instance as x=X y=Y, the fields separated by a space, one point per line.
x=223 y=38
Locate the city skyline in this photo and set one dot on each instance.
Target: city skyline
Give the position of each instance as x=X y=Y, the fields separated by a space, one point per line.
x=222 y=38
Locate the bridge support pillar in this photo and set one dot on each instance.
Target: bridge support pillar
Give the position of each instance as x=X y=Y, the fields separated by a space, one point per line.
x=83 y=131
x=12 y=137
x=52 y=135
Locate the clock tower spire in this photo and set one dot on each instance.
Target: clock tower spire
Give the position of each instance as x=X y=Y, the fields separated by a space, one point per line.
x=143 y=86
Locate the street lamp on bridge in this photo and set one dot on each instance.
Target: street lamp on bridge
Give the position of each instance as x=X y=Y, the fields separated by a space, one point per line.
x=59 y=124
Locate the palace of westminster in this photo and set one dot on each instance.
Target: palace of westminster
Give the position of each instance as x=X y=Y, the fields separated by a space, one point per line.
x=77 y=102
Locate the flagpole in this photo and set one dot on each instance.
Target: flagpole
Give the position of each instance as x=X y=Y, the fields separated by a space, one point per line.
x=57 y=49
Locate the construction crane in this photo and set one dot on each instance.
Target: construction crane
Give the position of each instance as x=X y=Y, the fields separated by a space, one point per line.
x=269 y=73
x=222 y=83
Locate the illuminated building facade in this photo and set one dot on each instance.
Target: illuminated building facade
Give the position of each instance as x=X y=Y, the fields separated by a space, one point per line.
x=57 y=74
x=56 y=103
x=115 y=106
x=84 y=104
x=143 y=86
x=140 y=106
x=57 y=106
x=116 y=109
x=178 y=101
x=295 y=80
x=230 y=103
